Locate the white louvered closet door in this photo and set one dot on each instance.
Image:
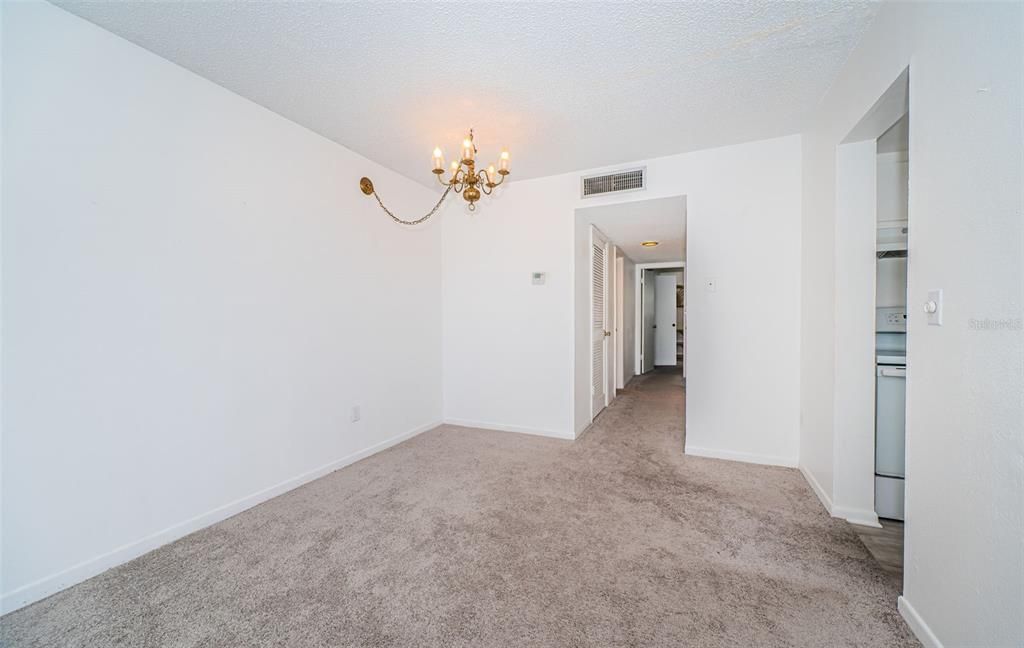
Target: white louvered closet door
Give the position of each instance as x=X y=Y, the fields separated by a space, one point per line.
x=598 y=317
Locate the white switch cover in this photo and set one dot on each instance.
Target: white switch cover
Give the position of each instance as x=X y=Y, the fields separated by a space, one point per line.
x=933 y=307
x=355 y=414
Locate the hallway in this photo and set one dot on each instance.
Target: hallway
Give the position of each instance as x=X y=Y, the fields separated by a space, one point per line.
x=463 y=537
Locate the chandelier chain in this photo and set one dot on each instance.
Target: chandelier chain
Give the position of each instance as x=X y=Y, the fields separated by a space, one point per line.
x=418 y=220
x=465 y=179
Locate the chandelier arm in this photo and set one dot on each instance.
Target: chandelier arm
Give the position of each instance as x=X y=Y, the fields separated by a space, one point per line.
x=418 y=220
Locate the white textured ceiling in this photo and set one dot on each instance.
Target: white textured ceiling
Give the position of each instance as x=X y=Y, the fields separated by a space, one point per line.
x=628 y=224
x=566 y=86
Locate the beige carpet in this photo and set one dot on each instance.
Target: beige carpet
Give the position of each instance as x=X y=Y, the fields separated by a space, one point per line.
x=463 y=537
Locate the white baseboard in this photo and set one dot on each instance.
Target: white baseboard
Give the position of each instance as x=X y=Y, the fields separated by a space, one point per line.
x=826 y=501
x=509 y=428
x=857 y=516
x=745 y=457
x=40 y=589
x=920 y=629
x=851 y=515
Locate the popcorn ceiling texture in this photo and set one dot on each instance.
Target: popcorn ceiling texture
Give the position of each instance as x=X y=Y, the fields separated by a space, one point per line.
x=565 y=86
x=463 y=537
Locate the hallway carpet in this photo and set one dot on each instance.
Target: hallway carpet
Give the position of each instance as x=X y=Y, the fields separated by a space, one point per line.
x=463 y=537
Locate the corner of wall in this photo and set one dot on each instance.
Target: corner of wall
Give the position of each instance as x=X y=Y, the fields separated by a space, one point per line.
x=812 y=481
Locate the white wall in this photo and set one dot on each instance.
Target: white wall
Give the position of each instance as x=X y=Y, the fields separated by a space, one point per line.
x=965 y=448
x=856 y=223
x=743 y=217
x=195 y=294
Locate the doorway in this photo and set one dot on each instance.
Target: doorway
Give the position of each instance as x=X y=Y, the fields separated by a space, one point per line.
x=872 y=271
x=614 y=244
x=662 y=317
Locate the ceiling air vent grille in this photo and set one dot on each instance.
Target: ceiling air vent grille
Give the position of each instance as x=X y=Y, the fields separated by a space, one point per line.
x=629 y=180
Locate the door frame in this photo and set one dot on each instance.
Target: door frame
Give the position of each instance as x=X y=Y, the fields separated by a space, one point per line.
x=639 y=314
x=620 y=318
x=853 y=339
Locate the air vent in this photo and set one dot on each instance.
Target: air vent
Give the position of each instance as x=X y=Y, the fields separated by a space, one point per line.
x=629 y=180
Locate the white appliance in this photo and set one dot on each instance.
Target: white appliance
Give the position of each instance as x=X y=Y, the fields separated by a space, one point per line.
x=890 y=411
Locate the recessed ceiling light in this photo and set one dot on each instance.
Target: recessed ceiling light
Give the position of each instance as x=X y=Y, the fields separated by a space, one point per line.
x=648 y=243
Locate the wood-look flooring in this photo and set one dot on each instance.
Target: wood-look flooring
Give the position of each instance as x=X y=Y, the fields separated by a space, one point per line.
x=885 y=544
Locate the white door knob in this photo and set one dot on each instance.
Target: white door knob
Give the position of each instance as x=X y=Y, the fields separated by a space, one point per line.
x=930 y=307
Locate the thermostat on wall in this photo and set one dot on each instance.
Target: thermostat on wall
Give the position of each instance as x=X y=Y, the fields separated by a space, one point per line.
x=538 y=278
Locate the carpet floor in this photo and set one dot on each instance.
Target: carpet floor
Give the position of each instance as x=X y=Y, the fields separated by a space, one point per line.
x=463 y=537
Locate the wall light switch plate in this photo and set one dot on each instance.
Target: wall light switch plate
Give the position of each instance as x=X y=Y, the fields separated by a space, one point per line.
x=539 y=278
x=355 y=414
x=933 y=307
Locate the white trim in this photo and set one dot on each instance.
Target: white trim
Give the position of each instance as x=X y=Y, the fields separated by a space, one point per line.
x=499 y=427
x=860 y=517
x=826 y=501
x=745 y=457
x=917 y=625
x=40 y=589
x=853 y=516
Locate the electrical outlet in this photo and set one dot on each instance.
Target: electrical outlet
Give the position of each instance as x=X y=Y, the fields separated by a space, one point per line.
x=355 y=414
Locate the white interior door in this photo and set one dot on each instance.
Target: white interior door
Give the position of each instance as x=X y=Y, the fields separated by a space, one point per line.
x=665 y=319
x=647 y=317
x=598 y=317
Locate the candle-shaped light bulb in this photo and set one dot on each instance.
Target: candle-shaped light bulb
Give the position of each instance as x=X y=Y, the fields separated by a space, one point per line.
x=503 y=161
x=492 y=175
x=438 y=159
x=467 y=149
x=455 y=166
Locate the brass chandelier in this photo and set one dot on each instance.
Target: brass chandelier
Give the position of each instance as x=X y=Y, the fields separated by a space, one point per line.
x=464 y=179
